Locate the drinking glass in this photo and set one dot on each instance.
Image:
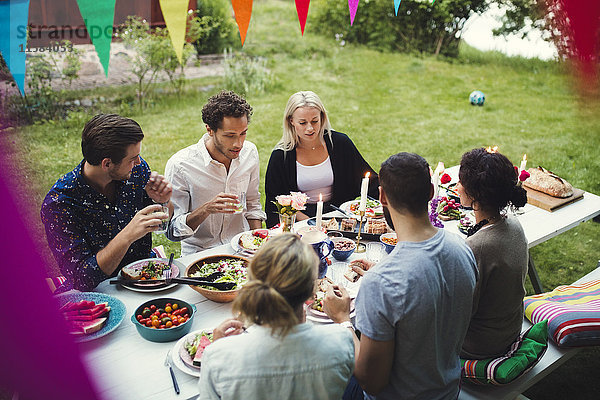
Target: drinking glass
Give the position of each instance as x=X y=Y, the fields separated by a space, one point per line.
x=241 y=203
x=375 y=251
x=164 y=224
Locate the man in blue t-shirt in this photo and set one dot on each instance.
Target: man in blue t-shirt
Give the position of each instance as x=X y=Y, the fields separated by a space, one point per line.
x=413 y=307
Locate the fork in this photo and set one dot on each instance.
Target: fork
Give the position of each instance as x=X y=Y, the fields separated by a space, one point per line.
x=168 y=364
x=168 y=275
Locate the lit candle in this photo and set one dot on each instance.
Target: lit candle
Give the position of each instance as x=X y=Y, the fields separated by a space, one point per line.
x=363 y=192
x=435 y=178
x=319 y=211
x=523 y=164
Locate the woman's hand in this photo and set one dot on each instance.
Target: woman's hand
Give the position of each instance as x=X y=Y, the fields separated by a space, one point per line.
x=229 y=327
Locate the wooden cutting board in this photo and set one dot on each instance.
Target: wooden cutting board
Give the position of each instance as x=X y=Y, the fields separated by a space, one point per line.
x=550 y=203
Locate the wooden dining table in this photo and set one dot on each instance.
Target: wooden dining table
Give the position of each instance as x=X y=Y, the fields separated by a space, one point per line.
x=124 y=366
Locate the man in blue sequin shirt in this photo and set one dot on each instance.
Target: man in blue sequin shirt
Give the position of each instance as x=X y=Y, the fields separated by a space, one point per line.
x=99 y=217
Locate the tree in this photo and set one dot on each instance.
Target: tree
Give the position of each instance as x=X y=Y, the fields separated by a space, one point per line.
x=420 y=26
x=552 y=18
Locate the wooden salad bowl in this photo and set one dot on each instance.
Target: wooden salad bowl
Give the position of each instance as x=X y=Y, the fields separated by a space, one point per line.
x=218 y=296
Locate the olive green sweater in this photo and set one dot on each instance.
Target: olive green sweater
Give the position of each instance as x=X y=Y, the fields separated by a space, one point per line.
x=501 y=254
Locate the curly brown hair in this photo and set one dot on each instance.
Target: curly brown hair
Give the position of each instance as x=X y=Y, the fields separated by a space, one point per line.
x=224 y=104
x=491 y=180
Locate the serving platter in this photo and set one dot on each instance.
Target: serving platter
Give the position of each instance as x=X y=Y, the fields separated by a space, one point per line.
x=176 y=267
x=115 y=316
x=349 y=234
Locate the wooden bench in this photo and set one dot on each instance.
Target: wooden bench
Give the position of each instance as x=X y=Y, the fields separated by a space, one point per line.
x=552 y=359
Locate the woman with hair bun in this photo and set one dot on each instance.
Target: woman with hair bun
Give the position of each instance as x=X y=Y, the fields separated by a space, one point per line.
x=282 y=356
x=488 y=184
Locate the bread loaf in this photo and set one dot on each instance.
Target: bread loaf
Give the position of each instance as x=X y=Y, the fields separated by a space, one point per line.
x=547 y=182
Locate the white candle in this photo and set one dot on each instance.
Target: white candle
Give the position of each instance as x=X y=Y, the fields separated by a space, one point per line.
x=364 y=188
x=319 y=211
x=523 y=164
x=435 y=178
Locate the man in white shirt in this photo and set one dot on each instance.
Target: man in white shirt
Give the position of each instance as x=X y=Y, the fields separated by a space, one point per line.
x=209 y=176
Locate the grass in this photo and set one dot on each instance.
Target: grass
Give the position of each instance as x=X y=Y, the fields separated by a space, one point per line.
x=386 y=103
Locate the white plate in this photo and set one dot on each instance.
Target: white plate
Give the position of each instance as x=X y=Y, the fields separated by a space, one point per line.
x=176 y=267
x=322 y=318
x=346 y=207
x=235 y=241
x=183 y=367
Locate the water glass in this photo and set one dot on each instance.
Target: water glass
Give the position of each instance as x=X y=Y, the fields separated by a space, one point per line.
x=164 y=224
x=241 y=203
x=375 y=251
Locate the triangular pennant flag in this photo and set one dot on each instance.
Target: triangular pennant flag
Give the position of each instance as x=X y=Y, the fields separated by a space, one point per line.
x=243 y=11
x=14 y=17
x=352 y=6
x=302 y=10
x=98 y=16
x=175 y=14
x=397 y=5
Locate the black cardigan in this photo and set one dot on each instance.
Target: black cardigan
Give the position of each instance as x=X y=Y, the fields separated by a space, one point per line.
x=348 y=165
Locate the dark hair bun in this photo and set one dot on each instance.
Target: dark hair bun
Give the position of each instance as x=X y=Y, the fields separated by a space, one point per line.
x=491 y=180
x=519 y=196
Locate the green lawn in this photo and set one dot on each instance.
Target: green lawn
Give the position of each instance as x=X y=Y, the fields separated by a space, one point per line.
x=386 y=103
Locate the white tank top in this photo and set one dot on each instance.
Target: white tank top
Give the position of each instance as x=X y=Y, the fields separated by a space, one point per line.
x=315 y=179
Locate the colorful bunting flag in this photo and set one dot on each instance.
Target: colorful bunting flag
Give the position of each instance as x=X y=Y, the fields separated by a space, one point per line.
x=14 y=16
x=397 y=5
x=98 y=16
x=175 y=14
x=243 y=11
x=302 y=10
x=352 y=6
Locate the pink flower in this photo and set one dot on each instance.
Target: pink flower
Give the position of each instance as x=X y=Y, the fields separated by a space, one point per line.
x=524 y=175
x=299 y=199
x=445 y=179
x=284 y=200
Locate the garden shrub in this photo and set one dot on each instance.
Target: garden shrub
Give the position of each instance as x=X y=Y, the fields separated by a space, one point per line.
x=219 y=31
x=421 y=26
x=246 y=75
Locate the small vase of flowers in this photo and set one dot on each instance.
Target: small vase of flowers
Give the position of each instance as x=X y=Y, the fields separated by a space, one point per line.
x=287 y=207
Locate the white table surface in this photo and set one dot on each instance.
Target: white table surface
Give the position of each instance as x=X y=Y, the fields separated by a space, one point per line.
x=124 y=366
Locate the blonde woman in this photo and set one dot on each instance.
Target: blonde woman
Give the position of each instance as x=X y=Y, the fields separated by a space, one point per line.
x=314 y=159
x=282 y=356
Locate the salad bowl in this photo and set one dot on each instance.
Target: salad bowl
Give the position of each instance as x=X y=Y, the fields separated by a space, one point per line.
x=234 y=268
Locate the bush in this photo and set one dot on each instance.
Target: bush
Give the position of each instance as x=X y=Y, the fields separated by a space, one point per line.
x=419 y=27
x=246 y=75
x=220 y=31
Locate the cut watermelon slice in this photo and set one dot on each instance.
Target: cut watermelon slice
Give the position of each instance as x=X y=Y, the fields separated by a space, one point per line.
x=87 y=327
x=204 y=342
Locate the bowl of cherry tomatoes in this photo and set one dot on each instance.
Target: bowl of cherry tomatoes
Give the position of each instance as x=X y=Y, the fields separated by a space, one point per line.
x=164 y=319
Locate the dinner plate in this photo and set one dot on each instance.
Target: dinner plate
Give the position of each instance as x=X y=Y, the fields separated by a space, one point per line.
x=176 y=267
x=346 y=207
x=115 y=316
x=321 y=317
x=177 y=357
x=235 y=241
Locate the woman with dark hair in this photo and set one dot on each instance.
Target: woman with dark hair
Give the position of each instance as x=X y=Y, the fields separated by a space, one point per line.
x=281 y=357
x=488 y=184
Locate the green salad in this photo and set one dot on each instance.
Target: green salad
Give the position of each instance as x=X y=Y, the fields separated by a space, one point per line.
x=233 y=271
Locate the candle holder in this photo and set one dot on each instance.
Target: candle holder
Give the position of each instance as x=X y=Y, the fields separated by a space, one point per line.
x=360 y=247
